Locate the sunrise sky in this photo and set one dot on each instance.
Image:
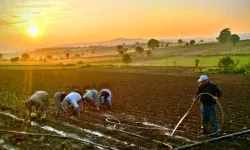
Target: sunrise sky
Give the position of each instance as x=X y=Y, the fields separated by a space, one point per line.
x=40 y=23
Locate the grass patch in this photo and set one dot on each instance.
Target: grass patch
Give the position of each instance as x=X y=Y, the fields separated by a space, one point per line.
x=209 y=61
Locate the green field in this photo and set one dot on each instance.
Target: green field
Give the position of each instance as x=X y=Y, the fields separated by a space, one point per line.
x=208 y=61
x=174 y=55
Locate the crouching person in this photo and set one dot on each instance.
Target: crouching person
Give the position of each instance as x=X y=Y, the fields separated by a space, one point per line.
x=36 y=105
x=72 y=104
x=91 y=98
x=105 y=97
x=59 y=97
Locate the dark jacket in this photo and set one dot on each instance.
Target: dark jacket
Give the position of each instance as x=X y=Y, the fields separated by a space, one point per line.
x=209 y=88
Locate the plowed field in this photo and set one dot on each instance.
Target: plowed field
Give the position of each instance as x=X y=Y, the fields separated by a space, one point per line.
x=143 y=98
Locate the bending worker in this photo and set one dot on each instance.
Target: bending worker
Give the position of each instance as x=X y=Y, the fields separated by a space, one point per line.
x=36 y=105
x=59 y=97
x=91 y=98
x=208 y=107
x=105 y=97
x=72 y=104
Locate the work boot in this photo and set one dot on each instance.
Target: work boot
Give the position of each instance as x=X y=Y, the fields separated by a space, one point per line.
x=34 y=114
x=204 y=131
x=43 y=117
x=217 y=134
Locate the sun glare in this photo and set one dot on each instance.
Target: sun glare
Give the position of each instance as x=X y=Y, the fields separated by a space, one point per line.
x=33 y=30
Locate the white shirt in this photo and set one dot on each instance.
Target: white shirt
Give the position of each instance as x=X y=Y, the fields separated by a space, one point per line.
x=72 y=98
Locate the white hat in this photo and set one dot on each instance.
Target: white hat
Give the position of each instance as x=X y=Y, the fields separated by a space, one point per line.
x=202 y=78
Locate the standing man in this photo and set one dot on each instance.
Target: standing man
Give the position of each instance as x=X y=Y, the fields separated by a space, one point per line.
x=36 y=105
x=59 y=97
x=72 y=104
x=105 y=97
x=208 y=107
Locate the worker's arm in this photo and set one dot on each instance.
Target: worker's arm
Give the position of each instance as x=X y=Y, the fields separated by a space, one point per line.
x=91 y=101
x=218 y=91
x=109 y=105
x=29 y=107
x=41 y=105
x=197 y=92
x=109 y=101
x=75 y=105
x=72 y=112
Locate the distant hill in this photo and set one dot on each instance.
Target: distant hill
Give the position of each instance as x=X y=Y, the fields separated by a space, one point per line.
x=128 y=41
x=113 y=42
x=7 y=49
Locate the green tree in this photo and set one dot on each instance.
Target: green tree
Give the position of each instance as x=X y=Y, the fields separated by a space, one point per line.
x=67 y=55
x=197 y=61
x=187 y=44
x=148 y=53
x=125 y=50
x=167 y=45
x=137 y=43
x=77 y=55
x=49 y=57
x=119 y=48
x=121 y=52
x=139 y=49
x=235 y=38
x=227 y=64
x=224 y=36
x=1 y=56
x=192 y=42
x=25 y=56
x=180 y=41
x=153 y=43
x=15 y=59
x=126 y=58
x=201 y=41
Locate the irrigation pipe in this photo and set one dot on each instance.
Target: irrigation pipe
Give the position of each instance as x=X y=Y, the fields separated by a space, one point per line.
x=54 y=135
x=117 y=122
x=213 y=140
x=222 y=115
x=34 y=134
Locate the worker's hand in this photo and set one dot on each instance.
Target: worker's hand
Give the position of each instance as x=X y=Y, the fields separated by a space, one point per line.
x=34 y=114
x=215 y=98
x=109 y=105
x=29 y=119
x=66 y=114
x=38 y=111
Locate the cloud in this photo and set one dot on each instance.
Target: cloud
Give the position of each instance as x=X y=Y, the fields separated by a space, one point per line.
x=9 y=23
x=24 y=12
x=15 y=16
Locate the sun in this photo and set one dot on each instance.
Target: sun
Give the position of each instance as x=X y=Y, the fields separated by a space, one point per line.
x=33 y=30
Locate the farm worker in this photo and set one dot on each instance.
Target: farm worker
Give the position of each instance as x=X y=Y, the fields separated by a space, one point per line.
x=72 y=104
x=105 y=97
x=36 y=104
x=208 y=107
x=59 y=97
x=91 y=97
